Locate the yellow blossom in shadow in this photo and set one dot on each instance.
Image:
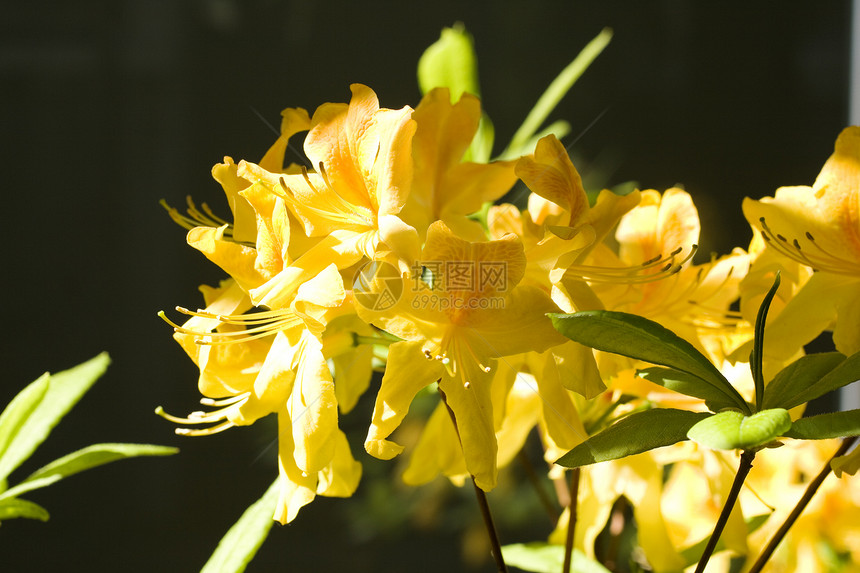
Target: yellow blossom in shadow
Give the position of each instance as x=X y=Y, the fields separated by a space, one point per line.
x=818 y=227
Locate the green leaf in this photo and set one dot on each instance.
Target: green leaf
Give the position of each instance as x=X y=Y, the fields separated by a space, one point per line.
x=826 y=426
x=450 y=62
x=794 y=380
x=634 y=434
x=554 y=94
x=16 y=413
x=83 y=459
x=64 y=390
x=845 y=373
x=732 y=430
x=758 y=344
x=637 y=337
x=542 y=557
x=240 y=544
x=689 y=385
x=14 y=507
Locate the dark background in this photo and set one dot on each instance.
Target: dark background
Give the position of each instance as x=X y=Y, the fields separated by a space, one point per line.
x=108 y=107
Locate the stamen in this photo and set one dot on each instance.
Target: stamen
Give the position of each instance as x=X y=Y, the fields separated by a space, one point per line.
x=347 y=216
x=637 y=274
x=204 y=431
x=822 y=260
x=267 y=324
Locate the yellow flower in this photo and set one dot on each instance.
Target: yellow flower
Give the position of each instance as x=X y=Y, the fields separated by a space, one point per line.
x=362 y=156
x=444 y=188
x=252 y=365
x=691 y=300
x=818 y=227
x=463 y=311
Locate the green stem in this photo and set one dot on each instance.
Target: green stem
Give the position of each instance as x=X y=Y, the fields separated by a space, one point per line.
x=811 y=489
x=571 y=522
x=373 y=340
x=495 y=546
x=743 y=469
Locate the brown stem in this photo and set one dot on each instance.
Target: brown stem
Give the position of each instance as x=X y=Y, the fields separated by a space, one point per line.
x=743 y=469
x=571 y=523
x=495 y=546
x=533 y=478
x=801 y=505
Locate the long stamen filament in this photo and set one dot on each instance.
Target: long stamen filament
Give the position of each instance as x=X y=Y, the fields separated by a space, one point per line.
x=823 y=260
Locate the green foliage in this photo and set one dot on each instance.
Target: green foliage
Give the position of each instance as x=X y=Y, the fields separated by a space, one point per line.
x=451 y=62
x=28 y=420
x=547 y=558
x=758 y=344
x=241 y=542
x=642 y=339
x=84 y=459
x=688 y=385
x=794 y=380
x=732 y=430
x=844 y=373
x=524 y=138
x=826 y=426
x=33 y=417
x=634 y=434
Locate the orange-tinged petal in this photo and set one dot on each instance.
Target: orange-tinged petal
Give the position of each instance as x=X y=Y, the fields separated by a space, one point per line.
x=677 y=225
x=837 y=189
x=550 y=173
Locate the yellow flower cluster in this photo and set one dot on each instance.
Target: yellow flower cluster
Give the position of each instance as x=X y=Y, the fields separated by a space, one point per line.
x=387 y=241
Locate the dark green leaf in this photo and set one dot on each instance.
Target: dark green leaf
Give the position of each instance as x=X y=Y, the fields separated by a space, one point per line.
x=796 y=378
x=732 y=430
x=845 y=373
x=14 y=507
x=826 y=426
x=634 y=434
x=758 y=344
x=542 y=557
x=83 y=459
x=64 y=390
x=689 y=385
x=637 y=337
x=241 y=542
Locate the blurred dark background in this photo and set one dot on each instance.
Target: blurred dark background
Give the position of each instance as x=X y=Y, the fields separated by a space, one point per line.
x=108 y=107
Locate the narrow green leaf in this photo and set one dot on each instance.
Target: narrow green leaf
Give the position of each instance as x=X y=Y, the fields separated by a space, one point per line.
x=637 y=337
x=634 y=434
x=734 y=431
x=689 y=385
x=83 y=459
x=15 y=507
x=64 y=390
x=18 y=411
x=554 y=94
x=241 y=542
x=793 y=380
x=758 y=344
x=826 y=426
x=542 y=557
x=845 y=373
